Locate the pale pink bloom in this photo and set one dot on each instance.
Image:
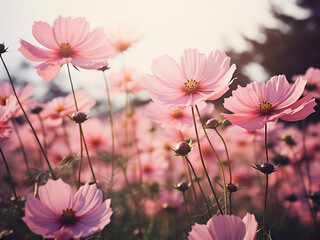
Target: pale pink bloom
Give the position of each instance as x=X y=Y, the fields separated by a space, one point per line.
x=312 y=87
x=128 y=80
x=197 y=78
x=24 y=95
x=179 y=118
x=225 y=227
x=258 y=103
x=6 y=112
x=67 y=41
x=59 y=210
x=122 y=37
x=60 y=107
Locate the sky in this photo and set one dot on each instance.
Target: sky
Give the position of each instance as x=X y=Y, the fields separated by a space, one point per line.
x=167 y=26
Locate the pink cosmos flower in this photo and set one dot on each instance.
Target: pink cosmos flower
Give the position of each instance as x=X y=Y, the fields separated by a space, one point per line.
x=196 y=79
x=67 y=41
x=60 y=107
x=24 y=94
x=225 y=227
x=122 y=37
x=312 y=87
x=128 y=80
x=6 y=112
x=58 y=210
x=258 y=103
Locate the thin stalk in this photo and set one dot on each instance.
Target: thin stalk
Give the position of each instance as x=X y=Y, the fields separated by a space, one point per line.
x=43 y=133
x=192 y=185
x=264 y=229
x=10 y=177
x=87 y=152
x=81 y=159
x=112 y=133
x=197 y=180
x=80 y=127
x=204 y=166
x=219 y=162
x=24 y=154
x=186 y=208
x=25 y=115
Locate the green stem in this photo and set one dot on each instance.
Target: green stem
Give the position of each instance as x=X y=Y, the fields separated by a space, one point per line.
x=24 y=154
x=112 y=133
x=197 y=180
x=264 y=229
x=43 y=133
x=204 y=166
x=10 y=177
x=80 y=128
x=25 y=115
x=81 y=158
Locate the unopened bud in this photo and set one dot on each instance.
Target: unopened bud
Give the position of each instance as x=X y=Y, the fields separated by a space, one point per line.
x=36 y=109
x=3 y=49
x=79 y=117
x=212 y=123
x=182 y=149
x=232 y=188
x=183 y=186
x=266 y=168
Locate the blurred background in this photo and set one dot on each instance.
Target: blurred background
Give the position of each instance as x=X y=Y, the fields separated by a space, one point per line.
x=263 y=38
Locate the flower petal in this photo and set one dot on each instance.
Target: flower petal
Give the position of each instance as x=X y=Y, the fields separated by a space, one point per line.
x=49 y=197
x=34 y=53
x=69 y=30
x=251 y=226
x=87 y=199
x=199 y=232
x=193 y=64
x=43 y=32
x=38 y=217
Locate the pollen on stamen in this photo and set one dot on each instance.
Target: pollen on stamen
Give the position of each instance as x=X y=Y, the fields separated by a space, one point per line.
x=191 y=86
x=68 y=216
x=60 y=108
x=265 y=107
x=176 y=113
x=65 y=50
x=3 y=99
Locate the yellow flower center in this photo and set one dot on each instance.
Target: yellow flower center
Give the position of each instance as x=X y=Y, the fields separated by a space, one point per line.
x=68 y=216
x=265 y=107
x=127 y=78
x=60 y=108
x=122 y=46
x=177 y=113
x=191 y=86
x=147 y=168
x=65 y=50
x=3 y=99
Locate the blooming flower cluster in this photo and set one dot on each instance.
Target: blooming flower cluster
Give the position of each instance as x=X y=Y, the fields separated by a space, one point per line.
x=152 y=164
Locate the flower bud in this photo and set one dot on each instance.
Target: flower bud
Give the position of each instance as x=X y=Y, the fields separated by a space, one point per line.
x=266 y=168
x=36 y=109
x=183 y=186
x=212 y=123
x=3 y=49
x=79 y=117
x=232 y=188
x=280 y=160
x=182 y=149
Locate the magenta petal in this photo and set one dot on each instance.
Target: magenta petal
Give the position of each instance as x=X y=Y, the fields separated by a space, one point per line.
x=87 y=199
x=34 y=53
x=251 y=226
x=43 y=32
x=48 y=195
x=199 y=232
x=69 y=30
x=226 y=227
x=39 y=218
